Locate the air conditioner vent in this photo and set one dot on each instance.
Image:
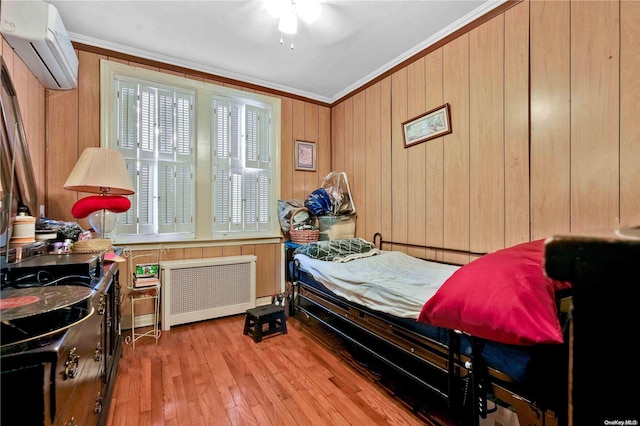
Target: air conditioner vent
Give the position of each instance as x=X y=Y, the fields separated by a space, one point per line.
x=36 y=33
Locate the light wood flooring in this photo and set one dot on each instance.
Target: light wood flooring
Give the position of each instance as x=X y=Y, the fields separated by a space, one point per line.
x=209 y=373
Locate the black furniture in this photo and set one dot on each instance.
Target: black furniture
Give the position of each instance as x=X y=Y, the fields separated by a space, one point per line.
x=270 y=315
x=66 y=372
x=604 y=269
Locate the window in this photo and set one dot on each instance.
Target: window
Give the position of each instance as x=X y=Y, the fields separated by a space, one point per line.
x=155 y=136
x=202 y=157
x=241 y=166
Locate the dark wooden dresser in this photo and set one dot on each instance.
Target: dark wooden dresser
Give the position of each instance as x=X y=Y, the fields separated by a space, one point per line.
x=62 y=371
x=604 y=268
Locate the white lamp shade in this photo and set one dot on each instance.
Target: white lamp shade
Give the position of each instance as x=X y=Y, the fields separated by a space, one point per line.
x=100 y=171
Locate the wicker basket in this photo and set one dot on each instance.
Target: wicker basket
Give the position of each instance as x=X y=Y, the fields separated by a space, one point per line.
x=92 y=245
x=302 y=236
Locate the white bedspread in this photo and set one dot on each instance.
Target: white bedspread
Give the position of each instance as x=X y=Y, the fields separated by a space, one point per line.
x=391 y=282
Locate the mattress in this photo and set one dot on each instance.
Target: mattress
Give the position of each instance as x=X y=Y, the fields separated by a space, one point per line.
x=374 y=281
x=531 y=366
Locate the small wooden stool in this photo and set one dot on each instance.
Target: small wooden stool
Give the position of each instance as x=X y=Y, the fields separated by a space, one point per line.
x=268 y=314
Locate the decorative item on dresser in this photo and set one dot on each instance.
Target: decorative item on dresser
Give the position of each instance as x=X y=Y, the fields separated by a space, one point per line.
x=60 y=343
x=101 y=171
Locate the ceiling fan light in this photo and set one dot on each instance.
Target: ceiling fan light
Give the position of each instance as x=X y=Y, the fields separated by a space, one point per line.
x=277 y=8
x=308 y=10
x=288 y=23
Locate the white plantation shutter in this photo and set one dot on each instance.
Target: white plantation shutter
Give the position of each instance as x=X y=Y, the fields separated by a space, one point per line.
x=175 y=200
x=185 y=164
x=236 y=202
x=175 y=180
x=220 y=129
x=257 y=184
x=241 y=161
x=226 y=162
x=251 y=130
x=146 y=196
x=126 y=131
x=127 y=221
x=264 y=139
x=156 y=135
x=251 y=201
x=263 y=200
x=235 y=143
x=165 y=127
x=220 y=163
x=185 y=200
x=184 y=127
x=127 y=118
x=221 y=199
x=166 y=196
x=152 y=122
x=148 y=121
x=258 y=135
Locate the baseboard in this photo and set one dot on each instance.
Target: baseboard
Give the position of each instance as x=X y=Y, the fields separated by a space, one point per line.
x=145 y=320
x=261 y=301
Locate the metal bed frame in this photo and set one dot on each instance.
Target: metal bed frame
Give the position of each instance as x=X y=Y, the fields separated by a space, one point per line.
x=463 y=383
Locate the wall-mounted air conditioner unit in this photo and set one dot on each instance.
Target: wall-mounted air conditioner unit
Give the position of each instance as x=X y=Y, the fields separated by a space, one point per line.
x=35 y=31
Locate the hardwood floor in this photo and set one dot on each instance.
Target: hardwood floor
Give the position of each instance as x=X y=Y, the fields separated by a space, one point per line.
x=209 y=373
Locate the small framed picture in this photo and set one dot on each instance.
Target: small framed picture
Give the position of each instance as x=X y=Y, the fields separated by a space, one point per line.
x=305 y=158
x=430 y=125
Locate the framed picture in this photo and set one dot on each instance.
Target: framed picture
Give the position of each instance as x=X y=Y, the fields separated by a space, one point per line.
x=431 y=124
x=305 y=156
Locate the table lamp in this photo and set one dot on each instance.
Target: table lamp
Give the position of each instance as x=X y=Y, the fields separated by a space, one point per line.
x=100 y=171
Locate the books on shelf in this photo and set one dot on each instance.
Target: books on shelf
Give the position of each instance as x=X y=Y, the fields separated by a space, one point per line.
x=146 y=275
x=146 y=282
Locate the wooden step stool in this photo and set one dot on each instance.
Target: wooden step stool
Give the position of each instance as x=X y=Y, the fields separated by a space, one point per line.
x=256 y=318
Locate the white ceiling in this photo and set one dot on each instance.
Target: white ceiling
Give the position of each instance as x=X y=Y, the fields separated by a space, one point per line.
x=350 y=44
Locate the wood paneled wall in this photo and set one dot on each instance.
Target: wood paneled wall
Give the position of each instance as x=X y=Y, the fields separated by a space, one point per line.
x=544 y=106
x=31 y=99
x=72 y=120
x=74 y=123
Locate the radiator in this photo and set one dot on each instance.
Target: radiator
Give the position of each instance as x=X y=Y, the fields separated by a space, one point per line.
x=201 y=289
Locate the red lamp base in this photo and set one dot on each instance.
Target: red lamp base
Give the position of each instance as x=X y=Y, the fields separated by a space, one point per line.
x=114 y=203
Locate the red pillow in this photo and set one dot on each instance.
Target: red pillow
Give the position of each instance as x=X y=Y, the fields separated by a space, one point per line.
x=503 y=296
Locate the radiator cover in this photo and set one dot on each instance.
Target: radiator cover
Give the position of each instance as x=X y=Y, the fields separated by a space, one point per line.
x=201 y=289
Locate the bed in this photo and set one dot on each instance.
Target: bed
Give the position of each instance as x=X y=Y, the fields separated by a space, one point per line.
x=463 y=334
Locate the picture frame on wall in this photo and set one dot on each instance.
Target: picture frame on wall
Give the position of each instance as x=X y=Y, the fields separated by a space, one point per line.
x=427 y=126
x=305 y=156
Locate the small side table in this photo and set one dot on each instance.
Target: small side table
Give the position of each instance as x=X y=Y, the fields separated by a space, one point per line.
x=145 y=282
x=138 y=294
x=256 y=318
